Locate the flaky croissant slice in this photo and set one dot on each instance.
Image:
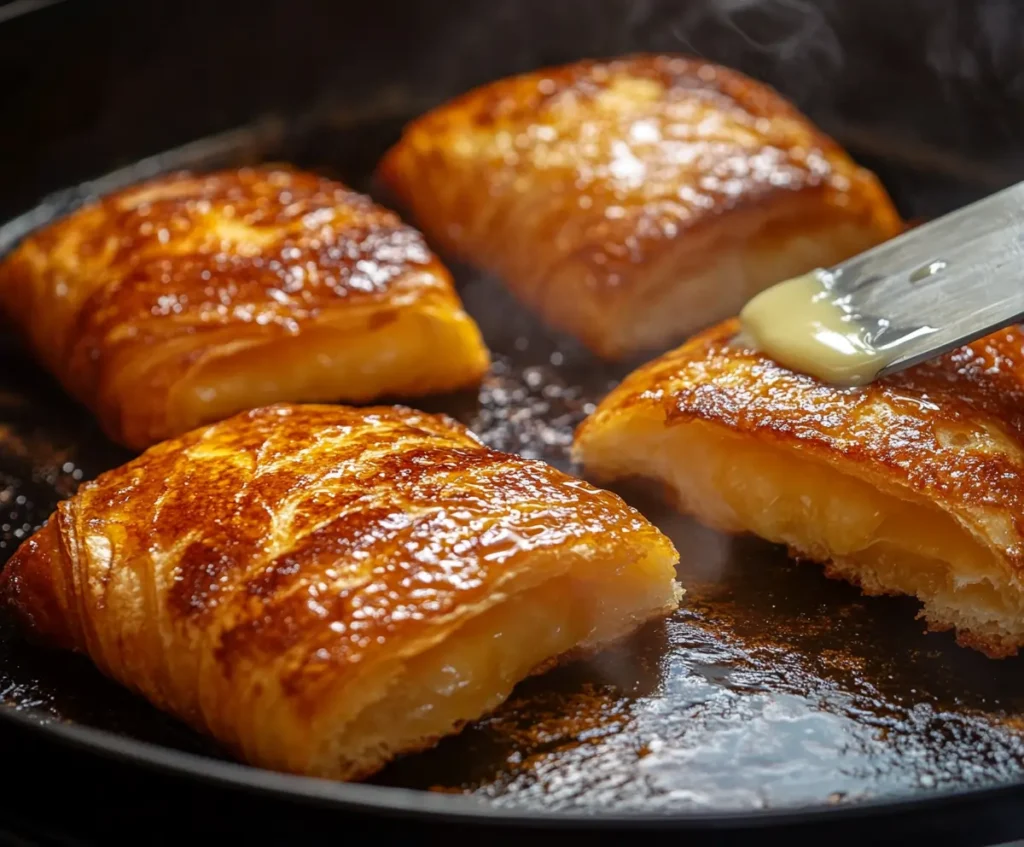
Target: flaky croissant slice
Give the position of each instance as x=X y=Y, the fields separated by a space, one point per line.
x=188 y=298
x=631 y=202
x=913 y=485
x=323 y=588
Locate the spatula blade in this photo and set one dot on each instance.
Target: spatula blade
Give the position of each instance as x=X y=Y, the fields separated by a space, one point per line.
x=942 y=284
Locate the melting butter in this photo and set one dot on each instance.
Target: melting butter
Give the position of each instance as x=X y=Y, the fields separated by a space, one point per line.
x=802 y=325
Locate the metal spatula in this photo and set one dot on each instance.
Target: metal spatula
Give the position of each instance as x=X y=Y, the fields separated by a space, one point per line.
x=940 y=285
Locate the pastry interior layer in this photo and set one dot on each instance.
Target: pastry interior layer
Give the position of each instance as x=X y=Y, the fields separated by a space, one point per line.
x=631 y=202
x=187 y=298
x=475 y=668
x=427 y=347
x=752 y=251
x=884 y=540
x=321 y=588
x=911 y=485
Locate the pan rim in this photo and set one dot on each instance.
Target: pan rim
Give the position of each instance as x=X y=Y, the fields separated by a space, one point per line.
x=439 y=807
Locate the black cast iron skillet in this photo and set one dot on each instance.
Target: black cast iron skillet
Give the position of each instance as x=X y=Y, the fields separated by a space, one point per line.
x=775 y=700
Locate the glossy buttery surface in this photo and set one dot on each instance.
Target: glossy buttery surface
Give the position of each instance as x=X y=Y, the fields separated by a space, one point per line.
x=633 y=201
x=186 y=298
x=912 y=485
x=322 y=588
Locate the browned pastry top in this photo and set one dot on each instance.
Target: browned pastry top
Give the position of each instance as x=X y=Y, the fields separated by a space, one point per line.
x=951 y=429
x=181 y=254
x=662 y=141
x=330 y=532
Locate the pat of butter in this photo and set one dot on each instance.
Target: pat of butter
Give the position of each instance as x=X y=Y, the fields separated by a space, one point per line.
x=803 y=326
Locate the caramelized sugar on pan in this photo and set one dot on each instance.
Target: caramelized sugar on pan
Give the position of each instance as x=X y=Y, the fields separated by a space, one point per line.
x=772 y=686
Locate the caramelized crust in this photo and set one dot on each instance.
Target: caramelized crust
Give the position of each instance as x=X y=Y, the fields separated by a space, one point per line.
x=911 y=485
x=321 y=588
x=188 y=298
x=632 y=201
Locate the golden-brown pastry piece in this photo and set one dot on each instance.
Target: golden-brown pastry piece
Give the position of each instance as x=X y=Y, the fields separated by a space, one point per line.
x=913 y=485
x=186 y=299
x=633 y=201
x=321 y=588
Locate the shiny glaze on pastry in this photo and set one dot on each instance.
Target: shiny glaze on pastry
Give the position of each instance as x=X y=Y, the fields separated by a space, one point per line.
x=911 y=485
x=322 y=588
x=630 y=202
x=188 y=298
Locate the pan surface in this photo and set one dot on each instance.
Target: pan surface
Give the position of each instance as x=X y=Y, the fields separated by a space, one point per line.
x=772 y=689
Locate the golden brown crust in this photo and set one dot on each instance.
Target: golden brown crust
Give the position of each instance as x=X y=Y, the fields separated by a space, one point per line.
x=588 y=187
x=129 y=296
x=251 y=575
x=951 y=429
x=993 y=646
x=949 y=433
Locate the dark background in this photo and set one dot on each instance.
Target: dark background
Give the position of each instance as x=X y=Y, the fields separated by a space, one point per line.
x=92 y=84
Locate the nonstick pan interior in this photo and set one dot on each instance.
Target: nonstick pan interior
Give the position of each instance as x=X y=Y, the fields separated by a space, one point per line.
x=772 y=688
